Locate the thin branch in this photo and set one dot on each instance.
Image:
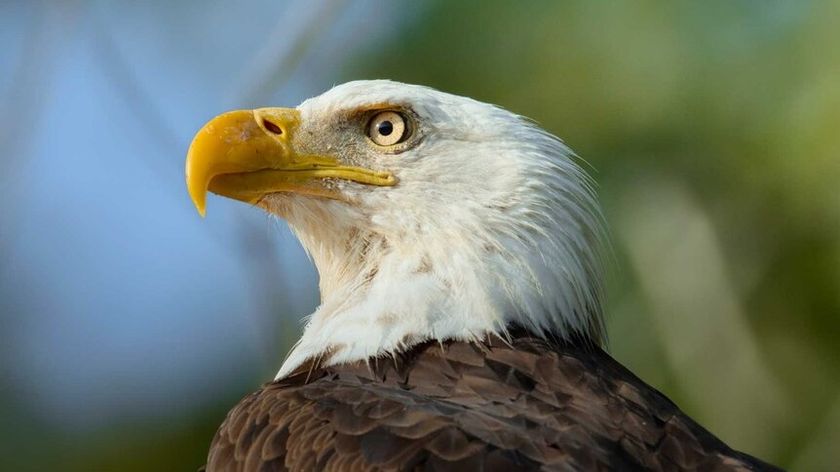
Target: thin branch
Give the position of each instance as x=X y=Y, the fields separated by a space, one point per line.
x=274 y=64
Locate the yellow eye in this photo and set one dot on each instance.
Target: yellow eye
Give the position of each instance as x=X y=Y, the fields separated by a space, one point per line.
x=387 y=128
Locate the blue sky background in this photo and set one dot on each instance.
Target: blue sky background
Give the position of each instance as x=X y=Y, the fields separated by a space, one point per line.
x=116 y=297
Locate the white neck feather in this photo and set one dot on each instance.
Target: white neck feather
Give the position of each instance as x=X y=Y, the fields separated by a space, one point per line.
x=458 y=274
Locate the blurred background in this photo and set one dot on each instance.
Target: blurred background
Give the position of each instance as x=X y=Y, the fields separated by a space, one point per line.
x=129 y=325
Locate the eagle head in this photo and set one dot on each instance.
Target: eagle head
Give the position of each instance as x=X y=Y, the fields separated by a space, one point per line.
x=429 y=216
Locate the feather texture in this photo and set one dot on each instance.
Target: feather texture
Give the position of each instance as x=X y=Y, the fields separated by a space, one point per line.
x=492 y=222
x=492 y=406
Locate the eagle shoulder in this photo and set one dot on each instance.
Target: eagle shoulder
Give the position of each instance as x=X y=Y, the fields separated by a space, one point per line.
x=522 y=404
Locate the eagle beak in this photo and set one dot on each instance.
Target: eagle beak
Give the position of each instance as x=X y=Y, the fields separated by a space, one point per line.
x=247 y=154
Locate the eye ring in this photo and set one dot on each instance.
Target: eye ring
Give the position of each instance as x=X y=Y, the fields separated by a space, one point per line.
x=387 y=128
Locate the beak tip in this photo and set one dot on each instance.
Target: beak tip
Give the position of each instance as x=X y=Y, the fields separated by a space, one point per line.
x=201 y=208
x=199 y=200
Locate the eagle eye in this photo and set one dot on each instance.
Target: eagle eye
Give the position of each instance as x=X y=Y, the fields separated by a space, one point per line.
x=387 y=128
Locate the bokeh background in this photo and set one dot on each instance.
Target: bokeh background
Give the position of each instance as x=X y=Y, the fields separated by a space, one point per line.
x=128 y=325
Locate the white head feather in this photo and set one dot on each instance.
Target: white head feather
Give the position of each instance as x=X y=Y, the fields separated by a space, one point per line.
x=492 y=223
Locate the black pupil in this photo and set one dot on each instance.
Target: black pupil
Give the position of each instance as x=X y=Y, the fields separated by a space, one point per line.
x=385 y=128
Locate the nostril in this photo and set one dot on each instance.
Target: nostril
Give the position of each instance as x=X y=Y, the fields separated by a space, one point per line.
x=272 y=127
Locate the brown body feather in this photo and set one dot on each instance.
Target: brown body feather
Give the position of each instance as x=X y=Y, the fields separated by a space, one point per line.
x=498 y=406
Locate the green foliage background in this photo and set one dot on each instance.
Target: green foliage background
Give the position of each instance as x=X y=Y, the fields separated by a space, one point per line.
x=714 y=131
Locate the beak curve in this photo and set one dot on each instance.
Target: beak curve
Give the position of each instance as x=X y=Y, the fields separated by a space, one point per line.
x=247 y=154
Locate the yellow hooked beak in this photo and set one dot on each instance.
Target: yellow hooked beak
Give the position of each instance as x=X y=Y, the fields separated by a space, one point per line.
x=247 y=154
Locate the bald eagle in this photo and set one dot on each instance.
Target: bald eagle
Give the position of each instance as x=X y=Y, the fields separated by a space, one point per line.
x=459 y=248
